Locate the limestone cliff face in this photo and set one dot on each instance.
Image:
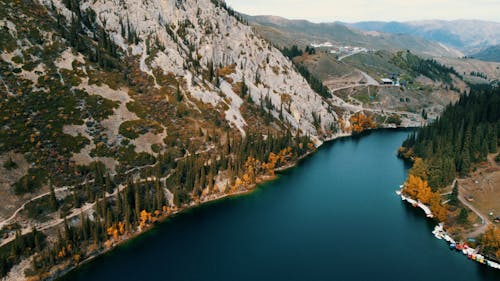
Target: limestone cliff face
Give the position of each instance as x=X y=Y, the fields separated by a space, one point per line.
x=191 y=36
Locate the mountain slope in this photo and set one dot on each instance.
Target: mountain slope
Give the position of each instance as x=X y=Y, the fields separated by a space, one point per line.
x=287 y=32
x=117 y=113
x=469 y=36
x=352 y=73
x=165 y=57
x=489 y=54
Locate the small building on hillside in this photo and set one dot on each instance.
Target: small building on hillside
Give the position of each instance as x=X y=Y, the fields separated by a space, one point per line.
x=387 y=81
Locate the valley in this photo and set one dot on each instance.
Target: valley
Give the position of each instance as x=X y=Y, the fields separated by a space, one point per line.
x=118 y=115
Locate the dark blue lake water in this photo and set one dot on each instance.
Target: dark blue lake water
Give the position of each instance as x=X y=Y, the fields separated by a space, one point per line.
x=333 y=217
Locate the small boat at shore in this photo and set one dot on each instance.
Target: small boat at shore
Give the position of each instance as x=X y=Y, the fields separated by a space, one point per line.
x=441 y=234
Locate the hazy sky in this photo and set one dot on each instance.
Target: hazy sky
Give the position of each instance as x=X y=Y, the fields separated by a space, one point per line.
x=362 y=10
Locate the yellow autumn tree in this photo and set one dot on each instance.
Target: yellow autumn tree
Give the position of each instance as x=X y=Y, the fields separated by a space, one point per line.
x=121 y=228
x=277 y=159
x=144 y=218
x=271 y=163
x=418 y=189
x=113 y=231
x=439 y=211
x=491 y=240
x=237 y=183
x=252 y=167
x=361 y=122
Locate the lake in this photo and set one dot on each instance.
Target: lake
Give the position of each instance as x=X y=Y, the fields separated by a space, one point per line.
x=333 y=217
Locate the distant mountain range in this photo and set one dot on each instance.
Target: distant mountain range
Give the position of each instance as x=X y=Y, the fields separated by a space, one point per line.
x=285 y=32
x=468 y=36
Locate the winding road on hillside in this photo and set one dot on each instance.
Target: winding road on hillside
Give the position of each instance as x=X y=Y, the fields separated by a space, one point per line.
x=77 y=211
x=349 y=54
x=484 y=219
x=370 y=81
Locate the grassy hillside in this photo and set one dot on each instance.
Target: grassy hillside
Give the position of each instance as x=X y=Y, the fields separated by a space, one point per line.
x=406 y=65
x=325 y=66
x=467 y=66
x=377 y=64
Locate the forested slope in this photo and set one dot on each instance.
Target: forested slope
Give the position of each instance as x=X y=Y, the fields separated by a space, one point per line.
x=462 y=137
x=453 y=147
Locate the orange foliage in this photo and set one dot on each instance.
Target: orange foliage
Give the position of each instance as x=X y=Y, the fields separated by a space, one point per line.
x=227 y=70
x=491 y=240
x=62 y=253
x=237 y=184
x=275 y=159
x=121 y=227
x=271 y=165
x=254 y=168
x=113 y=231
x=145 y=218
x=361 y=122
x=419 y=189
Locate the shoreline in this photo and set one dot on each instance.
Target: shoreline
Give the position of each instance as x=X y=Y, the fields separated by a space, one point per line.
x=60 y=273
x=130 y=238
x=441 y=234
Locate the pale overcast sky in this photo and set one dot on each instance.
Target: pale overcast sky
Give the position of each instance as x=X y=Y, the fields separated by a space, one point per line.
x=363 y=10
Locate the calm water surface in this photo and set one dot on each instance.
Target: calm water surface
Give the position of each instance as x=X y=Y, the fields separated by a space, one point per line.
x=334 y=217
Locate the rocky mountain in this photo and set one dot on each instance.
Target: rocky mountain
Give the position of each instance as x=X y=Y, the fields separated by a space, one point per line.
x=468 y=36
x=117 y=113
x=286 y=32
x=155 y=68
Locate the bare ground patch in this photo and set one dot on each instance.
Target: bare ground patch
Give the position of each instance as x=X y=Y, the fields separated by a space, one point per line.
x=143 y=142
x=482 y=189
x=7 y=178
x=111 y=124
x=120 y=114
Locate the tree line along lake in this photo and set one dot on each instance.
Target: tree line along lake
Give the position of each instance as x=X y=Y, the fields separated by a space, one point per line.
x=335 y=216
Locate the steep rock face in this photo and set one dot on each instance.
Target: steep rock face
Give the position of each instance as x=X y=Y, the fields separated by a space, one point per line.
x=194 y=35
x=113 y=112
x=130 y=84
x=179 y=99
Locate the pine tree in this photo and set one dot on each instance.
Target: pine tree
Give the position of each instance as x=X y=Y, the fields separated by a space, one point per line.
x=53 y=198
x=454 y=195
